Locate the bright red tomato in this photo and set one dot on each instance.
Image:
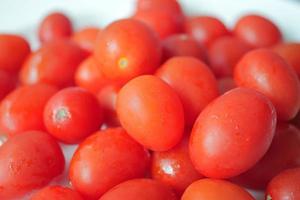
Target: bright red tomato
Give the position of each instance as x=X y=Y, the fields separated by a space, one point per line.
x=28 y=161
x=22 y=109
x=227 y=130
x=8 y=82
x=56 y=193
x=106 y=159
x=172 y=5
x=140 y=189
x=212 y=189
x=225 y=84
x=194 y=83
x=149 y=110
x=86 y=38
x=269 y=74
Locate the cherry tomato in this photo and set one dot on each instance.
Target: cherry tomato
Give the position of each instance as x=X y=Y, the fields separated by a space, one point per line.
x=225 y=53
x=106 y=159
x=149 y=110
x=283 y=154
x=205 y=29
x=56 y=193
x=225 y=84
x=86 y=38
x=182 y=45
x=13 y=51
x=8 y=82
x=28 y=161
x=22 y=109
x=140 y=189
x=269 y=74
x=239 y=124
x=291 y=53
x=257 y=31
x=55 y=26
x=72 y=114
x=194 y=83
x=285 y=186
x=127 y=48
x=172 y=5
x=174 y=167
x=54 y=63
x=212 y=189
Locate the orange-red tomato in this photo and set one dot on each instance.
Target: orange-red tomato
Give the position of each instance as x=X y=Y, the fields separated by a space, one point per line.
x=13 y=51
x=257 y=31
x=193 y=81
x=172 y=5
x=28 y=161
x=149 y=110
x=174 y=167
x=55 y=26
x=56 y=193
x=127 y=48
x=225 y=84
x=54 y=63
x=212 y=189
x=140 y=189
x=86 y=38
x=283 y=154
x=72 y=114
x=291 y=53
x=222 y=133
x=22 y=109
x=8 y=82
x=225 y=53
x=269 y=74
x=205 y=29
x=106 y=159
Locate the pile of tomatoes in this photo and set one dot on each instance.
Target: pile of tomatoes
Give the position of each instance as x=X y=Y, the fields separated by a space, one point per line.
x=163 y=105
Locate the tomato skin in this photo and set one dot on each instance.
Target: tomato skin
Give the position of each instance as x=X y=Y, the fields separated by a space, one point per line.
x=283 y=154
x=28 y=161
x=205 y=29
x=172 y=5
x=222 y=133
x=212 y=189
x=225 y=84
x=55 y=26
x=269 y=74
x=193 y=81
x=133 y=50
x=106 y=159
x=22 y=109
x=72 y=114
x=222 y=61
x=140 y=189
x=155 y=112
x=13 y=51
x=57 y=57
x=57 y=193
x=285 y=186
x=8 y=82
x=86 y=38
x=257 y=31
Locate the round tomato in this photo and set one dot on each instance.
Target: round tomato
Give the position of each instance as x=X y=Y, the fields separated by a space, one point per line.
x=56 y=193
x=225 y=84
x=8 y=82
x=86 y=38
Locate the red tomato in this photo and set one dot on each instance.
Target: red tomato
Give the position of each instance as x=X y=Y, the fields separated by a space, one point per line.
x=225 y=84
x=269 y=74
x=22 y=109
x=8 y=82
x=55 y=26
x=211 y=189
x=257 y=30
x=140 y=189
x=182 y=45
x=54 y=63
x=56 y=193
x=106 y=159
x=13 y=51
x=225 y=53
x=291 y=53
x=127 y=48
x=86 y=38
x=149 y=110
x=172 y=5
x=232 y=133
x=194 y=83
x=205 y=29
x=285 y=186
x=174 y=167
x=284 y=153
x=72 y=114
x=28 y=161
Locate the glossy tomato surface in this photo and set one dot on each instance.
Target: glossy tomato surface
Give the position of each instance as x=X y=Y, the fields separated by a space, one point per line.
x=86 y=38
x=56 y=193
